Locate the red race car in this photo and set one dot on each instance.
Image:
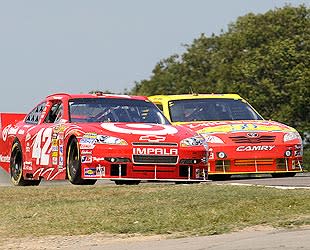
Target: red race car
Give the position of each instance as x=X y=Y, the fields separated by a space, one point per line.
x=88 y=137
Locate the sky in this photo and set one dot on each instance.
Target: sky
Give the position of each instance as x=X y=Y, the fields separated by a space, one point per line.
x=75 y=46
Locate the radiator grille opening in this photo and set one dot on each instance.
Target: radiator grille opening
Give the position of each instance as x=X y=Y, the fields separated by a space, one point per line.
x=155 y=159
x=260 y=139
x=253 y=162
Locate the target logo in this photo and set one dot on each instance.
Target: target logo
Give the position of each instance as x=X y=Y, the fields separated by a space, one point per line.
x=140 y=128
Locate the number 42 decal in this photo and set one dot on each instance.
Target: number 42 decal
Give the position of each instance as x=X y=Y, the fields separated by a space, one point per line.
x=39 y=152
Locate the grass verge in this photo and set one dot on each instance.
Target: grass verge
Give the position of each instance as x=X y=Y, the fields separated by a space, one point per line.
x=148 y=209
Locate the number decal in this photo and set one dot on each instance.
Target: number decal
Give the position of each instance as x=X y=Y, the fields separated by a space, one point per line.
x=38 y=153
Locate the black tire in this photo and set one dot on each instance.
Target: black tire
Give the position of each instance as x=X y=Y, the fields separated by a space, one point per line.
x=127 y=182
x=281 y=175
x=74 y=165
x=16 y=167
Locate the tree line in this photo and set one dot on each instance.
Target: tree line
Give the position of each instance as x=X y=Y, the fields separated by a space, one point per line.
x=265 y=58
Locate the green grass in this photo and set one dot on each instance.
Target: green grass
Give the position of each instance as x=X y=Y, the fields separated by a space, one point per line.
x=147 y=209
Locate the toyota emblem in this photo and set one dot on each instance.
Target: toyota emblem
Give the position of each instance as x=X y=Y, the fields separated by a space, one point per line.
x=252 y=135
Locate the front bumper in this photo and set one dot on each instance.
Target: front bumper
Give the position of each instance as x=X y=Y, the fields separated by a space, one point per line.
x=248 y=159
x=120 y=163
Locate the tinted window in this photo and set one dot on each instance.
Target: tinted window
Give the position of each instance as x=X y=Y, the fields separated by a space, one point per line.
x=114 y=110
x=211 y=110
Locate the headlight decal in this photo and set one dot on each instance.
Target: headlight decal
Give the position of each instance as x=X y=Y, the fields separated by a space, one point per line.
x=212 y=138
x=105 y=139
x=292 y=136
x=193 y=141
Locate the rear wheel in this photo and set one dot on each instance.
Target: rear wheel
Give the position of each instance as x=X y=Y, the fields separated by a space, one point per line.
x=74 y=165
x=16 y=168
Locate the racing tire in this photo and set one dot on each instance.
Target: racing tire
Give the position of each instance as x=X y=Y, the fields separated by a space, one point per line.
x=16 y=167
x=74 y=165
x=127 y=182
x=281 y=175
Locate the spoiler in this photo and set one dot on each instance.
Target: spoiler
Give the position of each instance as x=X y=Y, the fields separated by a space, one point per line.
x=7 y=121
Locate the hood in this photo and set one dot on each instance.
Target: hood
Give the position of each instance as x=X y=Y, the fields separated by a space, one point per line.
x=140 y=131
x=238 y=126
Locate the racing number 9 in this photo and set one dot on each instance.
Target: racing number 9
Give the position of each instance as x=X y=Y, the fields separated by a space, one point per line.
x=44 y=136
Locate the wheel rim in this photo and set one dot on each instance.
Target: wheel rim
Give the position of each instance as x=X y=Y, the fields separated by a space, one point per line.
x=73 y=160
x=16 y=167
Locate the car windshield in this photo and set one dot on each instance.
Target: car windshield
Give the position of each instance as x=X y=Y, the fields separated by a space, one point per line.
x=114 y=110
x=216 y=109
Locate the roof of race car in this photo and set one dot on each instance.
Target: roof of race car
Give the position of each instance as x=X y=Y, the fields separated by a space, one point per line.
x=59 y=96
x=193 y=96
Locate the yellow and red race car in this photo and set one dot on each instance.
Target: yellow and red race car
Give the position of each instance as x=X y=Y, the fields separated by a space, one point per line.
x=88 y=137
x=240 y=140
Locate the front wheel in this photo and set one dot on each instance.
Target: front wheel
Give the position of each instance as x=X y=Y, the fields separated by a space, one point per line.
x=16 y=167
x=74 y=165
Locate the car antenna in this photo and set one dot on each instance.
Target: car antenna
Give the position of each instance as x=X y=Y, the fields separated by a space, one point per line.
x=191 y=91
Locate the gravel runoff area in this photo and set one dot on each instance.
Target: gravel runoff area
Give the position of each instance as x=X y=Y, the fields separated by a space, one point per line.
x=254 y=238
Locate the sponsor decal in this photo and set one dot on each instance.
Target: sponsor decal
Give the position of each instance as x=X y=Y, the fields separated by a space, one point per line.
x=61 y=135
x=86 y=159
x=100 y=171
x=87 y=146
x=98 y=158
x=5 y=158
x=152 y=138
x=155 y=151
x=140 y=129
x=61 y=149
x=86 y=152
x=55 y=154
x=27 y=165
x=59 y=128
x=8 y=130
x=254 y=148
x=211 y=154
x=90 y=171
x=54 y=160
x=28 y=137
x=61 y=161
x=54 y=148
x=90 y=135
x=86 y=140
x=54 y=142
x=224 y=127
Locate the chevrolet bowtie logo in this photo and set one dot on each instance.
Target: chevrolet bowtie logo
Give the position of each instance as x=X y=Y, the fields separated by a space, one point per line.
x=152 y=138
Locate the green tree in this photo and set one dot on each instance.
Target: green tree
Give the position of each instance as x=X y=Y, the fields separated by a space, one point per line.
x=263 y=57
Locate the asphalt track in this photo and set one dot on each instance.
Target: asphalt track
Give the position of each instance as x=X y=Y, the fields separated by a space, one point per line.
x=256 y=238
x=301 y=180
